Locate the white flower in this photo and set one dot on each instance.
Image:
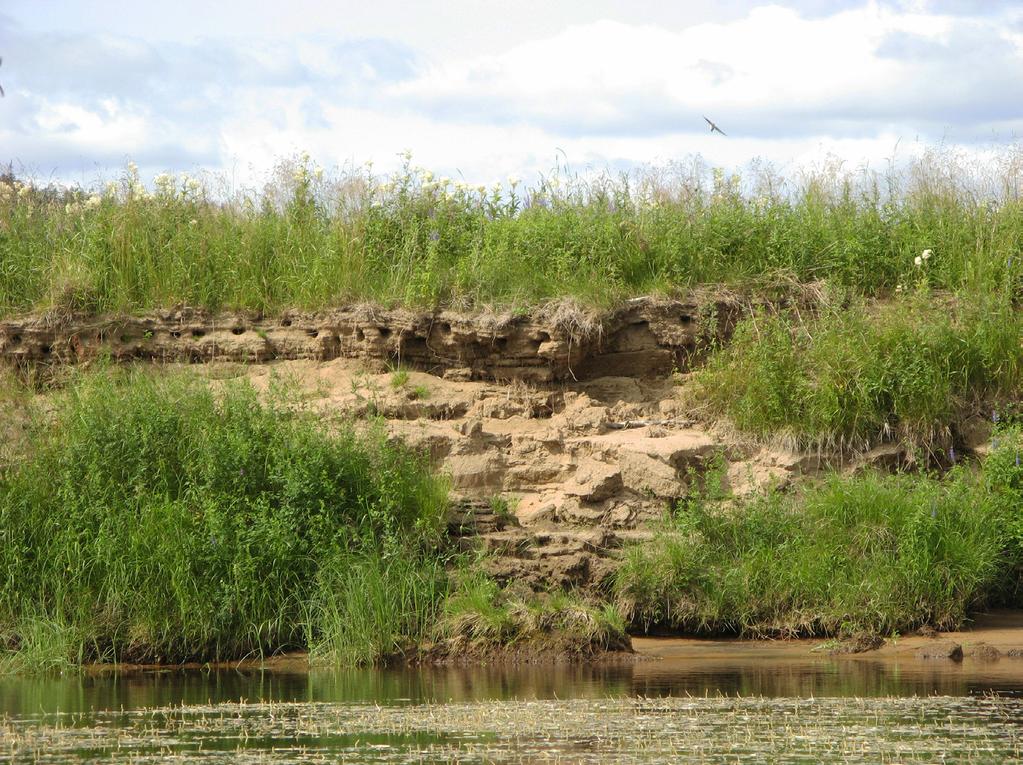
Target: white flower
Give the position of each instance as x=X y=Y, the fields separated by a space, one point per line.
x=133 y=169
x=193 y=222
x=93 y=202
x=481 y=189
x=898 y=288
x=445 y=181
x=514 y=180
x=925 y=254
x=24 y=191
x=918 y=261
x=318 y=172
x=110 y=189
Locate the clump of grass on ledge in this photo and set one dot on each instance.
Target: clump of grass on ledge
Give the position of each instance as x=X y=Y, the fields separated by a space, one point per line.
x=309 y=239
x=149 y=519
x=874 y=553
x=478 y=617
x=860 y=374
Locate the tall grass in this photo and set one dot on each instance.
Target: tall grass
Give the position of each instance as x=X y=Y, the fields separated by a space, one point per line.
x=877 y=553
x=312 y=240
x=854 y=375
x=149 y=519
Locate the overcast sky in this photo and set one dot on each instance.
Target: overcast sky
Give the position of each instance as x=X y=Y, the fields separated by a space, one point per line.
x=486 y=88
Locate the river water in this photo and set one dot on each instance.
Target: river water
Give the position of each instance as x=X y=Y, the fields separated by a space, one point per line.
x=720 y=703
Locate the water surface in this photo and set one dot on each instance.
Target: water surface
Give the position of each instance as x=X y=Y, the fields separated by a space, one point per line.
x=720 y=702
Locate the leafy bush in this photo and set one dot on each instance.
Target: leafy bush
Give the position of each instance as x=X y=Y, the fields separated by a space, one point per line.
x=878 y=553
x=155 y=520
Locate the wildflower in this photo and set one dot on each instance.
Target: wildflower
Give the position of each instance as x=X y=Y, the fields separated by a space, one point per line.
x=898 y=288
x=918 y=261
x=318 y=172
x=444 y=181
x=110 y=189
x=925 y=255
x=481 y=189
x=369 y=164
x=994 y=416
x=514 y=180
x=434 y=236
x=427 y=176
x=193 y=184
x=133 y=169
x=192 y=222
x=24 y=191
x=952 y=453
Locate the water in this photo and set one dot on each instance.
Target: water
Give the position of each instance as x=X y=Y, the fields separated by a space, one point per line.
x=722 y=704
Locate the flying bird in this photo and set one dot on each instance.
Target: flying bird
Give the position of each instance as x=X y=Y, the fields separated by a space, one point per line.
x=714 y=127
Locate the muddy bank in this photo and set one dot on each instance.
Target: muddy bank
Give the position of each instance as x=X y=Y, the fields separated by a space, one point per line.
x=1001 y=630
x=644 y=337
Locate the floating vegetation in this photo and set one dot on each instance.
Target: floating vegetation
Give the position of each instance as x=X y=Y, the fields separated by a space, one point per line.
x=634 y=730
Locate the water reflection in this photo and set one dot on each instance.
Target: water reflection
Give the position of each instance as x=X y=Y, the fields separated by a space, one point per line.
x=803 y=676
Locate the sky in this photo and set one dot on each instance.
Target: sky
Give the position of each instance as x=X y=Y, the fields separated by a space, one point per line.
x=481 y=89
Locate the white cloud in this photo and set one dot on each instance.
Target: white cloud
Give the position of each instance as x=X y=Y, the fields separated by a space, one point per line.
x=786 y=86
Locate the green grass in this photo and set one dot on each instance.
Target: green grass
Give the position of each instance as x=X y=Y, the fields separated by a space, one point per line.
x=478 y=616
x=150 y=519
x=909 y=369
x=312 y=240
x=873 y=553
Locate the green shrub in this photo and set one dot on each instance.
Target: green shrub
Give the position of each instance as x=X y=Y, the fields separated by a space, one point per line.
x=157 y=520
x=872 y=553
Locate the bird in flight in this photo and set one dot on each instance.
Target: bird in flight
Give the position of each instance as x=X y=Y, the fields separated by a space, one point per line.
x=714 y=127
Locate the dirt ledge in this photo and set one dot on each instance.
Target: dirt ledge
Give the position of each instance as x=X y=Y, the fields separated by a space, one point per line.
x=643 y=337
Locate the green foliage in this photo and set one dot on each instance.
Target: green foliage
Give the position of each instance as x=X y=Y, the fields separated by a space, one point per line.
x=479 y=615
x=155 y=520
x=860 y=374
x=310 y=240
x=874 y=553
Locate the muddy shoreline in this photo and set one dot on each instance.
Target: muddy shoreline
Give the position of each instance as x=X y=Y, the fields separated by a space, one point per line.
x=1001 y=629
